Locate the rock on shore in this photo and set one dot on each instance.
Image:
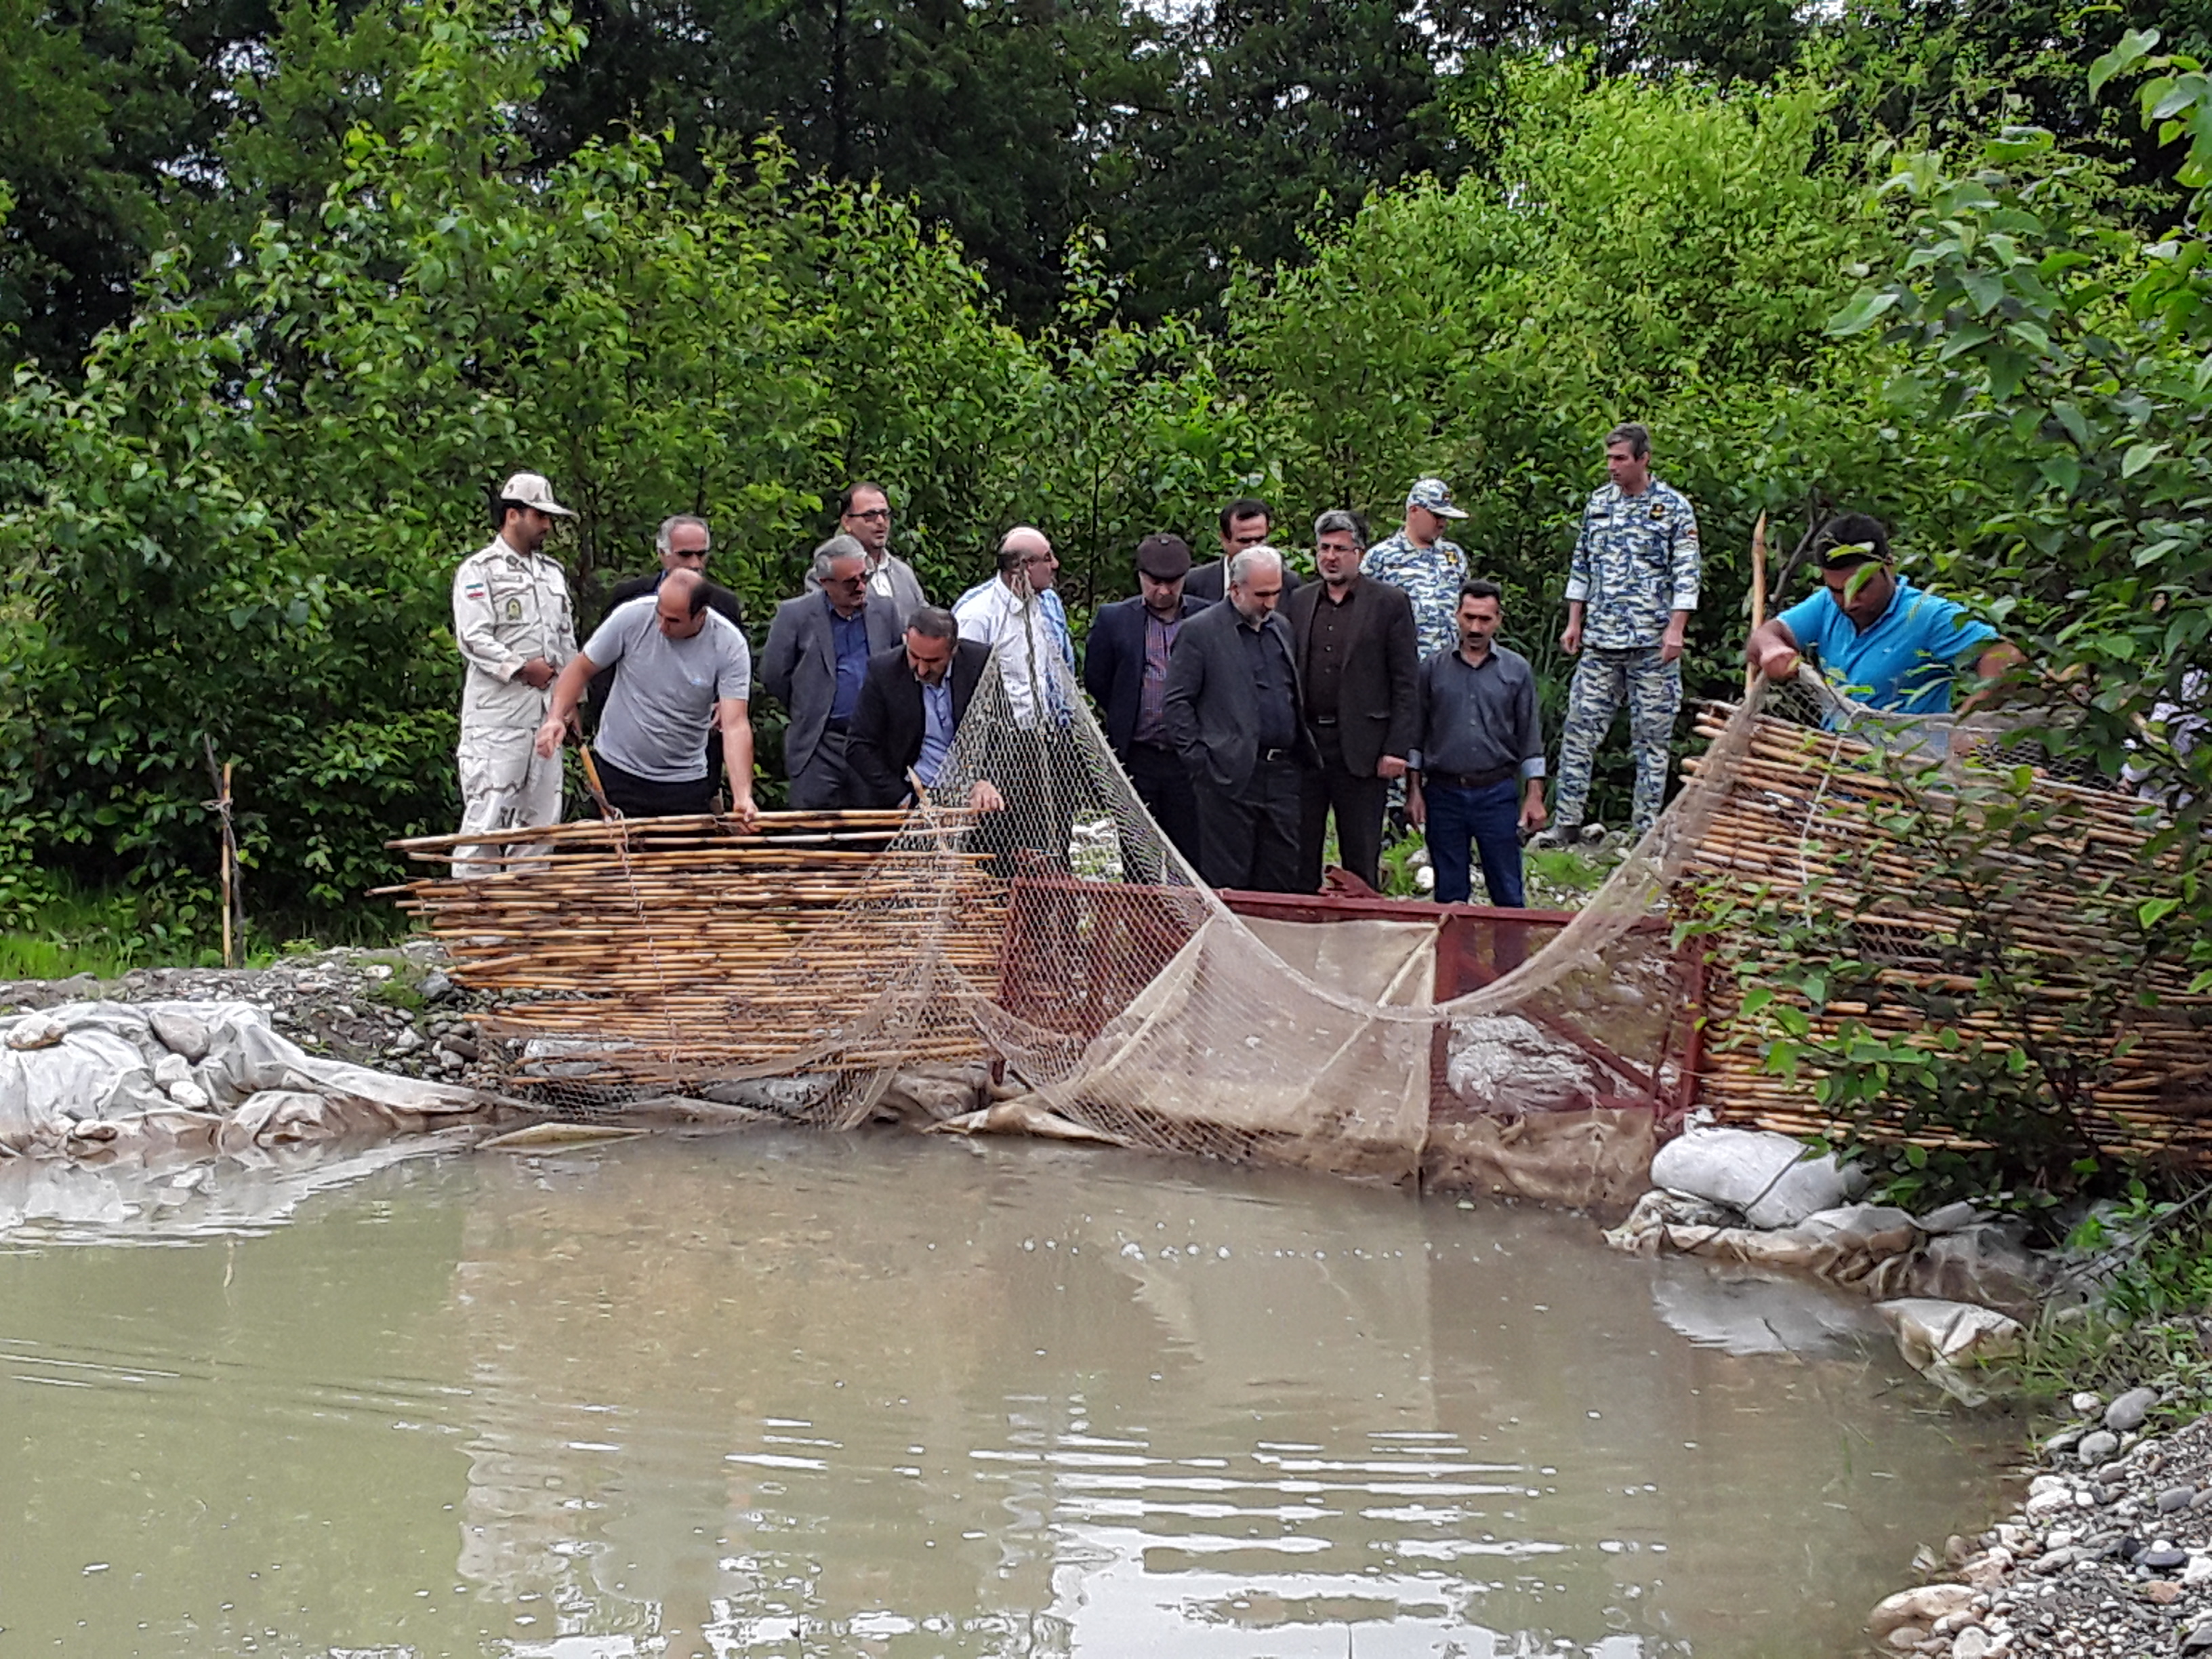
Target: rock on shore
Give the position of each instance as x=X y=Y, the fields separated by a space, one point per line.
x=2109 y=1556
x=393 y=1010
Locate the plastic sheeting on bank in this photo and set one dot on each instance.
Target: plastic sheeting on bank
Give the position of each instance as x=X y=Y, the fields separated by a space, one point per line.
x=112 y=1078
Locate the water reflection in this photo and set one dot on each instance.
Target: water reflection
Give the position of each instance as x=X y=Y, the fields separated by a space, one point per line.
x=785 y=1396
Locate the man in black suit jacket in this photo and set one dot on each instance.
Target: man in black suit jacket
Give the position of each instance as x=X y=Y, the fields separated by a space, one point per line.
x=1244 y=522
x=682 y=542
x=911 y=705
x=1232 y=712
x=818 y=650
x=1360 y=663
x=1124 y=669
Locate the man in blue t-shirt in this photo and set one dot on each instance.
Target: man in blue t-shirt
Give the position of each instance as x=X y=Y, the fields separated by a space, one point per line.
x=1877 y=639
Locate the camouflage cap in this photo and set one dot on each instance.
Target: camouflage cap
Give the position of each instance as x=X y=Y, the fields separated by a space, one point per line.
x=1435 y=495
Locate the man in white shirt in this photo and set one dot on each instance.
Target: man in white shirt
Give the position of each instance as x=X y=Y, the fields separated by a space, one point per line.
x=1019 y=615
x=516 y=627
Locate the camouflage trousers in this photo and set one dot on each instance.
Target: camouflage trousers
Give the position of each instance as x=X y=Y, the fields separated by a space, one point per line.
x=1604 y=681
x=504 y=785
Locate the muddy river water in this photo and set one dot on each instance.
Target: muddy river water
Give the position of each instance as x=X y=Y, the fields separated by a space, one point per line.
x=789 y=1395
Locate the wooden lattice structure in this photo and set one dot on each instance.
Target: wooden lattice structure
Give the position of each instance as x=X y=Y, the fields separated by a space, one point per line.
x=1800 y=820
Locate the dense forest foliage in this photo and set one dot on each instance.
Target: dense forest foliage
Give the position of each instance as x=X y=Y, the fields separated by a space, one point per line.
x=286 y=289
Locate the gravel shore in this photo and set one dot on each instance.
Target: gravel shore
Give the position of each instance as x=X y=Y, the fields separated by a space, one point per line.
x=2109 y=1555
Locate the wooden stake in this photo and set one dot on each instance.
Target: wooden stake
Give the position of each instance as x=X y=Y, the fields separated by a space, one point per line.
x=1758 y=594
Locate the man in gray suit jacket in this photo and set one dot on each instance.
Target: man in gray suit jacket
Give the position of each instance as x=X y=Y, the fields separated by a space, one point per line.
x=1232 y=703
x=815 y=662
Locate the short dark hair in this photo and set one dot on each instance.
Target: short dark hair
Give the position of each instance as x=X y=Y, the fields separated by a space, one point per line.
x=1851 y=529
x=1635 y=434
x=845 y=501
x=933 y=623
x=1476 y=588
x=1246 y=506
x=501 y=506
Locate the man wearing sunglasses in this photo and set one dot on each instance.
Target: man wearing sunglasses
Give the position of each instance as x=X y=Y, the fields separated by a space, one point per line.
x=864 y=512
x=1879 y=640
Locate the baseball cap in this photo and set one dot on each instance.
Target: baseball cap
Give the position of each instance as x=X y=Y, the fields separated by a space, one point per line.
x=531 y=490
x=1163 y=558
x=1435 y=495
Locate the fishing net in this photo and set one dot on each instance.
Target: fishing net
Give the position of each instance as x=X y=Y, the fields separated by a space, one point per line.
x=1026 y=928
x=1029 y=927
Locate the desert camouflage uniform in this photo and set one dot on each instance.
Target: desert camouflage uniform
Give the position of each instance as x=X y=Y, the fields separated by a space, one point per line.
x=1635 y=564
x=508 y=608
x=1432 y=577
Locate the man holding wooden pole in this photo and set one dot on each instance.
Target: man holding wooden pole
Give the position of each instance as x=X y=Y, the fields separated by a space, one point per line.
x=516 y=626
x=684 y=670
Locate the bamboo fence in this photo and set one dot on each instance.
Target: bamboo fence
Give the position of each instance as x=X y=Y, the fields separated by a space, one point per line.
x=667 y=952
x=1800 y=823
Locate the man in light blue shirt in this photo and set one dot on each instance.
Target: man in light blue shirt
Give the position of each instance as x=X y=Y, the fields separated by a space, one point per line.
x=1877 y=639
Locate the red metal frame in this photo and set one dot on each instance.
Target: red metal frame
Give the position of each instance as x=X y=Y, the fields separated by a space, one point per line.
x=1075 y=951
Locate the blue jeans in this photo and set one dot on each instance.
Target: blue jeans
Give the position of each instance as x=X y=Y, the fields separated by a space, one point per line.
x=1491 y=819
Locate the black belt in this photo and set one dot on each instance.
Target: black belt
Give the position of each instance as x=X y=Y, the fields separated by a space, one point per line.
x=1496 y=775
x=1266 y=757
x=837 y=725
x=1324 y=720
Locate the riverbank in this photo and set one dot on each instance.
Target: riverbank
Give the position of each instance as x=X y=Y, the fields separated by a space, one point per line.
x=391 y=1009
x=2108 y=1555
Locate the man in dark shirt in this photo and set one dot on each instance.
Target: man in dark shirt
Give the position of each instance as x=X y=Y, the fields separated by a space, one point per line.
x=1358 y=658
x=817 y=658
x=1232 y=703
x=1124 y=669
x=1479 y=773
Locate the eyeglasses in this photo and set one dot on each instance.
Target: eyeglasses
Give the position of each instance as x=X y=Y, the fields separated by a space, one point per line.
x=884 y=513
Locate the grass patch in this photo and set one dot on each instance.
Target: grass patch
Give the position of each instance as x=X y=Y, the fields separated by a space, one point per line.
x=62 y=930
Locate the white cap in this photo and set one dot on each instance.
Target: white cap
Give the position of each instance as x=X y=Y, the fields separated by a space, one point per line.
x=531 y=490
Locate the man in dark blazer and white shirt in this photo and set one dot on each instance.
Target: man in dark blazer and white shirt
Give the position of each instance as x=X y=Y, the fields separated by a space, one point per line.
x=917 y=693
x=1124 y=669
x=1359 y=666
x=1233 y=703
x=1244 y=522
x=817 y=661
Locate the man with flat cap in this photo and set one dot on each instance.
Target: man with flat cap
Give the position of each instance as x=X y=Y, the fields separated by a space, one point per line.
x=516 y=627
x=1422 y=564
x=1124 y=669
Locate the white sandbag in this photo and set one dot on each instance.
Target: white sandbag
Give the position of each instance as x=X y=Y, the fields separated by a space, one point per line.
x=116 y=1078
x=1767 y=1178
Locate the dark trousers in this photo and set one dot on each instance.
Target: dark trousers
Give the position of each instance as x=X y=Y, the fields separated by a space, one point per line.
x=1164 y=785
x=1358 y=803
x=821 y=786
x=1251 y=839
x=634 y=797
x=1491 y=819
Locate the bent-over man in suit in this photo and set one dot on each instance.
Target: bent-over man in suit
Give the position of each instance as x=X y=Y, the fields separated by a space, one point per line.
x=1232 y=714
x=916 y=696
x=1360 y=663
x=1124 y=669
x=817 y=658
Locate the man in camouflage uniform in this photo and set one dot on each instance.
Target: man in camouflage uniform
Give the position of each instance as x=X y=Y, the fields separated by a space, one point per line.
x=1631 y=589
x=516 y=628
x=1430 y=569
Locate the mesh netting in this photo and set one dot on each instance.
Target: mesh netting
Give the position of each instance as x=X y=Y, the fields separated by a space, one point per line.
x=1051 y=939
x=1027 y=927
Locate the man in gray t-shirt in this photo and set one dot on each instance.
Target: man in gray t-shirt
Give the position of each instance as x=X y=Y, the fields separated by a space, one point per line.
x=685 y=670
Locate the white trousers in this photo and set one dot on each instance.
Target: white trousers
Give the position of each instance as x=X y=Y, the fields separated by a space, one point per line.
x=504 y=785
